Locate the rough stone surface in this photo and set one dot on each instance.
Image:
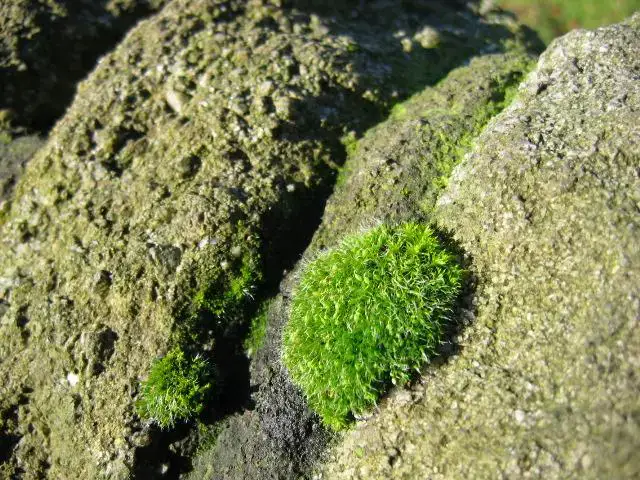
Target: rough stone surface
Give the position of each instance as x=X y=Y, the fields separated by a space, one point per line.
x=184 y=160
x=47 y=46
x=281 y=430
x=15 y=152
x=546 y=206
x=397 y=171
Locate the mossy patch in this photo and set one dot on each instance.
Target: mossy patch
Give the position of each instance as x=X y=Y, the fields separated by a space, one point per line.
x=257 y=330
x=401 y=166
x=176 y=388
x=223 y=297
x=449 y=150
x=366 y=315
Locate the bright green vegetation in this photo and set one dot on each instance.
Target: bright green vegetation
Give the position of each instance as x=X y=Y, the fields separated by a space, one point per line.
x=257 y=331
x=552 y=18
x=366 y=315
x=175 y=390
x=235 y=290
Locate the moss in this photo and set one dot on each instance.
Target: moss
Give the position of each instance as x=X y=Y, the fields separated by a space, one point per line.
x=4 y=212
x=450 y=150
x=398 y=111
x=366 y=315
x=402 y=165
x=175 y=389
x=227 y=298
x=208 y=436
x=350 y=143
x=257 y=330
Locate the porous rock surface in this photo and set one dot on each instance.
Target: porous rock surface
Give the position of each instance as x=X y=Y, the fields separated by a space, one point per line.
x=47 y=46
x=15 y=152
x=178 y=169
x=280 y=437
x=544 y=383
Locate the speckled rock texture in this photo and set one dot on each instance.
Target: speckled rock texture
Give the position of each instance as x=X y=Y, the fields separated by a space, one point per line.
x=279 y=437
x=194 y=158
x=544 y=383
x=47 y=46
x=15 y=152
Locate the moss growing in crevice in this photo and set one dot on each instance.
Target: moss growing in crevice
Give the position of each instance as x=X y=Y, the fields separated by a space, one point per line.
x=257 y=330
x=225 y=298
x=367 y=315
x=176 y=388
x=209 y=326
x=401 y=166
x=448 y=150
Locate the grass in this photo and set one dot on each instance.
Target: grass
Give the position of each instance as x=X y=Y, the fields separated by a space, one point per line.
x=175 y=389
x=367 y=315
x=552 y=18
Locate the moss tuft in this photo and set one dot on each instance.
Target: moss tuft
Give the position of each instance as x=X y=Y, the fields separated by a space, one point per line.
x=257 y=331
x=175 y=390
x=366 y=315
x=238 y=287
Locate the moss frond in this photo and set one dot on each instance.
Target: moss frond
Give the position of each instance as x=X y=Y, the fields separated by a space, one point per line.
x=175 y=390
x=366 y=315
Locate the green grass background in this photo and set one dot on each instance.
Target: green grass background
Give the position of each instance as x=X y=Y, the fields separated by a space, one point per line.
x=552 y=18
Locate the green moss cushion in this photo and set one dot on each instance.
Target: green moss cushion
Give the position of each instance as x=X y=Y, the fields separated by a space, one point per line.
x=367 y=314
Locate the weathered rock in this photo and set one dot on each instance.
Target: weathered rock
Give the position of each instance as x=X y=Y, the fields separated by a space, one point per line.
x=182 y=162
x=46 y=47
x=546 y=205
x=281 y=432
x=15 y=152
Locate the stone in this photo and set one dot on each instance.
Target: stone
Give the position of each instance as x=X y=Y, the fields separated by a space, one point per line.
x=102 y=258
x=544 y=205
x=48 y=46
x=281 y=430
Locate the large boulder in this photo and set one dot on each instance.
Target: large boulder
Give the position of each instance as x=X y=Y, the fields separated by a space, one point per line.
x=542 y=381
x=390 y=175
x=193 y=163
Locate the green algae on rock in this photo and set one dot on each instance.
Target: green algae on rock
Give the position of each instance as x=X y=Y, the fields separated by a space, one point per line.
x=546 y=205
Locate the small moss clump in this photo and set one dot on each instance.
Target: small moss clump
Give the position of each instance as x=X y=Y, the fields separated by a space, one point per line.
x=257 y=331
x=238 y=287
x=367 y=315
x=175 y=390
